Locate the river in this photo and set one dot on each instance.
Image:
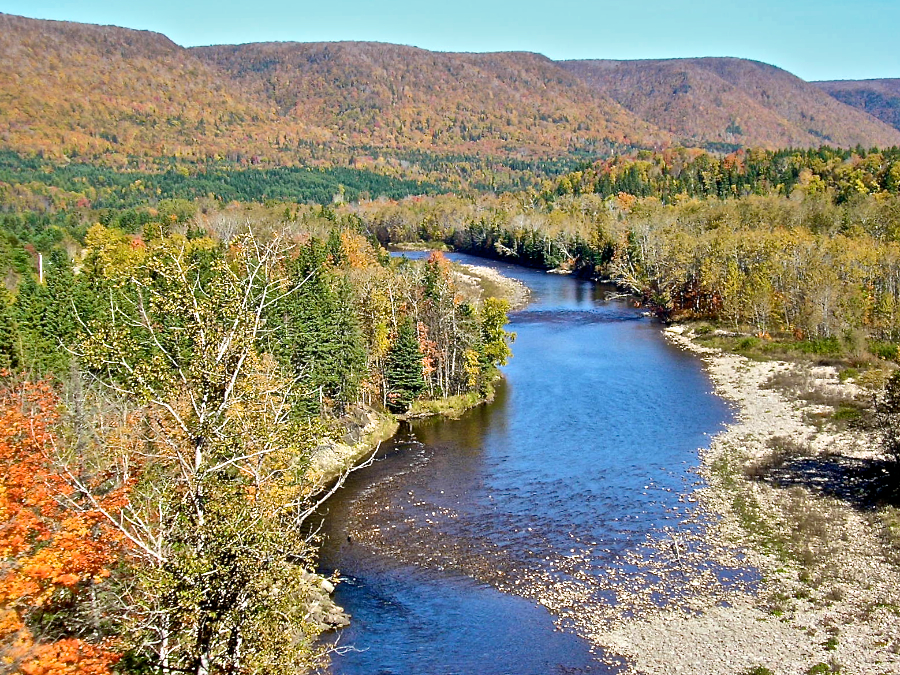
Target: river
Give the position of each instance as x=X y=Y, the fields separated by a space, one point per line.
x=455 y=543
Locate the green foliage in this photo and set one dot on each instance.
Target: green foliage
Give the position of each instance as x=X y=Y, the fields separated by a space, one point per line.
x=819 y=669
x=403 y=368
x=494 y=339
x=216 y=518
x=883 y=350
x=43 y=319
x=318 y=333
x=78 y=185
x=9 y=335
x=829 y=346
x=676 y=174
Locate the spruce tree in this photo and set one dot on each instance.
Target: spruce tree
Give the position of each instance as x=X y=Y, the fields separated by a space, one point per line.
x=403 y=368
x=9 y=335
x=319 y=333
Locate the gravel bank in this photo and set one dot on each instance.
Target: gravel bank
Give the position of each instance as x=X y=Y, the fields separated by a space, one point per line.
x=488 y=282
x=785 y=494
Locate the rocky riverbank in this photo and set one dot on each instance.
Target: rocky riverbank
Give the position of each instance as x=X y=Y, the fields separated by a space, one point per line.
x=364 y=428
x=791 y=494
x=488 y=282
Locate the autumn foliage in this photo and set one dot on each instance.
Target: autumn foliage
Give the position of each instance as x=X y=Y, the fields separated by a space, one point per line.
x=51 y=552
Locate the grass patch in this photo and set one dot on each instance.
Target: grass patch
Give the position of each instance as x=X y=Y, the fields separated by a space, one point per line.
x=746 y=508
x=452 y=406
x=890 y=521
x=884 y=350
x=784 y=346
x=830 y=346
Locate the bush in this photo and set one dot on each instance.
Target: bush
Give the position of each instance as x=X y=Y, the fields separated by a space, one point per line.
x=884 y=350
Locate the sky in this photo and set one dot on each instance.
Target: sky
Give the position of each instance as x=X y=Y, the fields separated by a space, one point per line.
x=815 y=39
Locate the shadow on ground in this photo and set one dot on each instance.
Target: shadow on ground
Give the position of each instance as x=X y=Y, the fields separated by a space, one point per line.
x=864 y=484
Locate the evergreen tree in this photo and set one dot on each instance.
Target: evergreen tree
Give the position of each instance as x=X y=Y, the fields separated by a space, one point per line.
x=403 y=368
x=320 y=336
x=9 y=335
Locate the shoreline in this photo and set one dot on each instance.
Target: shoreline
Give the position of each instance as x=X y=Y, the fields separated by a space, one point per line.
x=488 y=282
x=828 y=594
x=366 y=428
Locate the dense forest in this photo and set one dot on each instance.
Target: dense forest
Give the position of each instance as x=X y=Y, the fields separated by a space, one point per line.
x=32 y=184
x=682 y=173
x=807 y=248
x=164 y=391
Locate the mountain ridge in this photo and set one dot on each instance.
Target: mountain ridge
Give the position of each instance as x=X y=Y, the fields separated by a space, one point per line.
x=731 y=100
x=878 y=97
x=72 y=90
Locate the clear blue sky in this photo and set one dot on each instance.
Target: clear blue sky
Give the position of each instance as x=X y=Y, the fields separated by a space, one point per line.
x=815 y=39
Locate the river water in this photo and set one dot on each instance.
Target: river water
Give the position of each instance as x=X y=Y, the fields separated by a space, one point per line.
x=455 y=543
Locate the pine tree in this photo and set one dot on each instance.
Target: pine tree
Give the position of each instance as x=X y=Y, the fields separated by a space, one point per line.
x=9 y=335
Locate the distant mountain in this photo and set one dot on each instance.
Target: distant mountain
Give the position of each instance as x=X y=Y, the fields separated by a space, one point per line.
x=113 y=94
x=879 y=98
x=391 y=96
x=77 y=89
x=732 y=101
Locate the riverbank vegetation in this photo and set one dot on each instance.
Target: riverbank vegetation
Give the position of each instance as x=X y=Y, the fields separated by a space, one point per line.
x=803 y=254
x=165 y=387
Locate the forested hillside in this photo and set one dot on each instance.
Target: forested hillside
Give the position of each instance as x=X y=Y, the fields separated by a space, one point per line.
x=71 y=90
x=732 y=102
x=677 y=174
x=510 y=104
x=879 y=98
x=134 y=99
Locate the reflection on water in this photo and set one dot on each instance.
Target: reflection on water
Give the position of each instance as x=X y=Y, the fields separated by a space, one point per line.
x=587 y=449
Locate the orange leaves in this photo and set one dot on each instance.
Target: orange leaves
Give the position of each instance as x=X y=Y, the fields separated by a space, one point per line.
x=47 y=550
x=66 y=657
x=429 y=349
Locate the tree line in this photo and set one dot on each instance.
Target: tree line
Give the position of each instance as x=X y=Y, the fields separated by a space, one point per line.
x=35 y=184
x=807 y=266
x=683 y=173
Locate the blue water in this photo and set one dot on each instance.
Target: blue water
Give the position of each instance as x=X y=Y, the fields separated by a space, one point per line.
x=585 y=452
